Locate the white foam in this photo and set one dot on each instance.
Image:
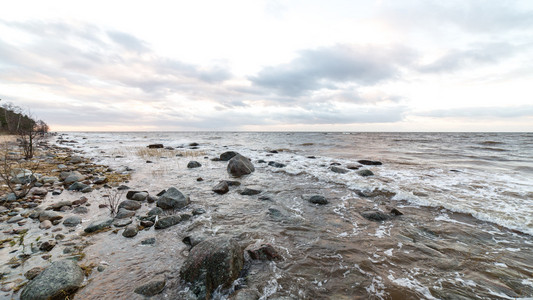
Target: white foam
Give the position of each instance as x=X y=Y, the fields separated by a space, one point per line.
x=388 y=252
x=502 y=265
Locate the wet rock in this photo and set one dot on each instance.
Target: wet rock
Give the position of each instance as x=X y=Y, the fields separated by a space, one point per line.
x=129 y=194
x=32 y=273
x=353 y=166
x=80 y=201
x=98 y=225
x=122 y=222
x=152 y=288
x=193 y=240
x=376 y=193
x=49 y=215
x=173 y=199
x=221 y=188
x=124 y=213
x=72 y=221
x=369 y=162
x=59 y=237
x=198 y=211
x=249 y=192
x=339 y=170
x=246 y=294
x=80 y=210
x=77 y=186
x=375 y=215
x=276 y=164
x=199 y=179
x=166 y=222
x=147 y=223
x=58 y=281
x=48 y=245
x=240 y=165
x=151 y=199
x=396 y=212
x=100 y=180
x=365 y=173
x=46 y=224
x=130 y=231
x=264 y=252
x=211 y=263
x=318 y=199
x=11 y=197
x=155 y=146
x=73 y=177
x=227 y=155
x=15 y=219
x=139 y=196
x=193 y=164
x=129 y=205
x=100 y=268
x=155 y=211
x=194 y=144
x=123 y=187
x=148 y=241
x=38 y=192
x=57 y=192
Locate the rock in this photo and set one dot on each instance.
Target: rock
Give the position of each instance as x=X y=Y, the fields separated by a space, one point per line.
x=173 y=199
x=98 y=225
x=46 y=224
x=129 y=205
x=130 y=194
x=152 y=288
x=276 y=164
x=193 y=240
x=57 y=192
x=155 y=146
x=318 y=199
x=76 y=160
x=155 y=211
x=77 y=186
x=365 y=173
x=122 y=222
x=147 y=223
x=38 y=191
x=339 y=170
x=240 y=165
x=100 y=180
x=11 y=197
x=130 y=231
x=49 y=215
x=22 y=176
x=48 y=245
x=374 y=215
x=249 y=192
x=396 y=212
x=211 y=263
x=73 y=177
x=151 y=199
x=169 y=221
x=141 y=196
x=124 y=213
x=100 y=268
x=264 y=252
x=123 y=187
x=198 y=211
x=58 y=281
x=352 y=166
x=148 y=241
x=58 y=205
x=80 y=210
x=15 y=219
x=32 y=273
x=221 y=188
x=227 y=155
x=72 y=221
x=369 y=162
x=87 y=189
x=48 y=179
x=194 y=144
x=193 y=164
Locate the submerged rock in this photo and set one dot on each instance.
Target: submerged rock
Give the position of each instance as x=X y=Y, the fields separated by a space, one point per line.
x=375 y=215
x=193 y=164
x=369 y=162
x=276 y=164
x=152 y=288
x=221 y=188
x=240 y=165
x=365 y=173
x=318 y=199
x=339 y=170
x=99 y=225
x=249 y=192
x=173 y=199
x=212 y=263
x=264 y=252
x=58 y=281
x=227 y=155
x=130 y=231
x=169 y=221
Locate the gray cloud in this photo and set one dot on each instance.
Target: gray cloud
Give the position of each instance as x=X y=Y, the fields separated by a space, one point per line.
x=482 y=112
x=326 y=67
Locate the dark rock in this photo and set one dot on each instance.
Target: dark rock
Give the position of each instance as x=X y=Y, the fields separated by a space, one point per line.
x=151 y=199
x=123 y=187
x=396 y=212
x=48 y=245
x=273 y=151
x=87 y=189
x=147 y=223
x=264 y=252
x=80 y=210
x=57 y=192
x=240 y=165
x=122 y=222
x=58 y=281
x=149 y=162
x=155 y=146
x=49 y=215
x=211 y=263
x=173 y=199
x=98 y=225
x=199 y=179
x=141 y=196
x=148 y=241
x=276 y=164
x=250 y=192
x=376 y=193
x=77 y=186
x=261 y=161
x=166 y=222
x=129 y=194
x=339 y=170
x=227 y=155
x=161 y=193
x=72 y=221
x=15 y=219
x=353 y=166
x=334 y=164
x=73 y=177
x=198 y=211
x=194 y=144
x=369 y=162
x=130 y=231
x=155 y=211
x=129 y=205
x=365 y=173
x=193 y=240
x=32 y=273
x=38 y=191
x=232 y=183
x=100 y=180
x=318 y=199
x=193 y=164
x=374 y=215
x=80 y=201
x=221 y=188
x=265 y=198
x=124 y=213
x=152 y=288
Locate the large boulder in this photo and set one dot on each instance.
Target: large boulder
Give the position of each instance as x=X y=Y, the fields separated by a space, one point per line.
x=173 y=199
x=211 y=263
x=59 y=280
x=240 y=165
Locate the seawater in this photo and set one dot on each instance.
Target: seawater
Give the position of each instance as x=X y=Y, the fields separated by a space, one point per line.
x=467 y=200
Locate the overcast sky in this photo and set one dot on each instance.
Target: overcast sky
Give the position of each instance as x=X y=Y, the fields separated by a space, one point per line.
x=349 y=65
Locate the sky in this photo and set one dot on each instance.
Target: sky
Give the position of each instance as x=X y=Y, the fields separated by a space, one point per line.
x=385 y=65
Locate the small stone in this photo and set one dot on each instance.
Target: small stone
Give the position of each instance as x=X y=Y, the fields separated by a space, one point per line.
x=32 y=273
x=276 y=164
x=250 y=192
x=193 y=164
x=149 y=241
x=369 y=162
x=155 y=146
x=48 y=245
x=49 y=215
x=352 y=166
x=169 y=221
x=396 y=212
x=98 y=225
x=124 y=213
x=80 y=210
x=141 y=196
x=155 y=211
x=264 y=252
x=122 y=222
x=72 y=221
x=198 y=211
x=318 y=199
x=151 y=199
x=130 y=205
x=130 y=231
x=221 y=188
x=46 y=224
x=375 y=216
x=15 y=219
x=147 y=223
x=338 y=170
x=152 y=288
x=365 y=173
x=199 y=179
x=80 y=201
x=100 y=268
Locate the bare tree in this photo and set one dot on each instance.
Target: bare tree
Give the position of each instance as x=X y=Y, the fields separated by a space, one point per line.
x=17 y=173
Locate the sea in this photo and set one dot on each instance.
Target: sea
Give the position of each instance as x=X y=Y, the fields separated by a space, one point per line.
x=465 y=229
